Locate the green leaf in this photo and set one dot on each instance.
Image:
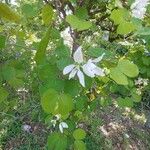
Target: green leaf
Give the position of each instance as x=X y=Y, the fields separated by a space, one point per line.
x=119 y=15
x=82 y=13
x=79 y=134
x=125 y=27
x=47 y=72
x=77 y=23
x=79 y=145
x=96 y=52
x=16 y=83
x=2 y=41
x=118 y=76
x=127 y=102
x=7 y=13
x=41 y=52
x=62 y=63
x=143 y=31
x=74 y=86
x=29 y=10
x=146 y=61
x=54 y=103
x=128 y=68
x=57 y=141
x=49 y=101
x=135 y=97
x=47 y=14
x=3 y=94
x=8 y=72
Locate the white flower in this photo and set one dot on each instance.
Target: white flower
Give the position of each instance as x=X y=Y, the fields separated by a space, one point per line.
x=74 y=69
x=139 y=8
x=26 y=128
x=62 y=126
x=90 y=68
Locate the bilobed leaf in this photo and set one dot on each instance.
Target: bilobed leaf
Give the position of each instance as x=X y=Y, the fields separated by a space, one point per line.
x=125 y=27
x=79 y=145
x=57 y=141
x=77 y=23
x=127 y=102
x=3 y=94
x=41 y=52
x=7 y=13
x=47 y=14
x=128 y=68
x=2 y=41
x=79 y=134
x=54 y=103
x=118 y=76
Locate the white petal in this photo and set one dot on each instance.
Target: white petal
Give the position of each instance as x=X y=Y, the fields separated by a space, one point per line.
x=68 y=69
x=73 y=73
x=78 y=56
x=61 y=128
x=87 y=71
x=98 y=59
x=62 y=125
x=98 y=71
x=81 y=78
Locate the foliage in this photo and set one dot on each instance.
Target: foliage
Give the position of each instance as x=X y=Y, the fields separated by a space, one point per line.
x=38 y=39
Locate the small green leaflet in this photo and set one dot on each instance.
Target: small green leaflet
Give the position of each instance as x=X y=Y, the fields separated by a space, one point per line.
x=47 y=14
x=7 y=13
x=77 y=23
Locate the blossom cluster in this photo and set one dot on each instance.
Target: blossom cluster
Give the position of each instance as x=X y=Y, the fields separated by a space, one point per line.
x=139 y=8
x=80 y=67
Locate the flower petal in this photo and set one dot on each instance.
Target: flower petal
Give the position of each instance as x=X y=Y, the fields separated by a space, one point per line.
x=62 y=125
x=73 y=73
x=88 y=69
x=61 y=128
x=68 y=69
x=81 y=78
x=98 y=59
x=98 y=71
x=78 y=55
